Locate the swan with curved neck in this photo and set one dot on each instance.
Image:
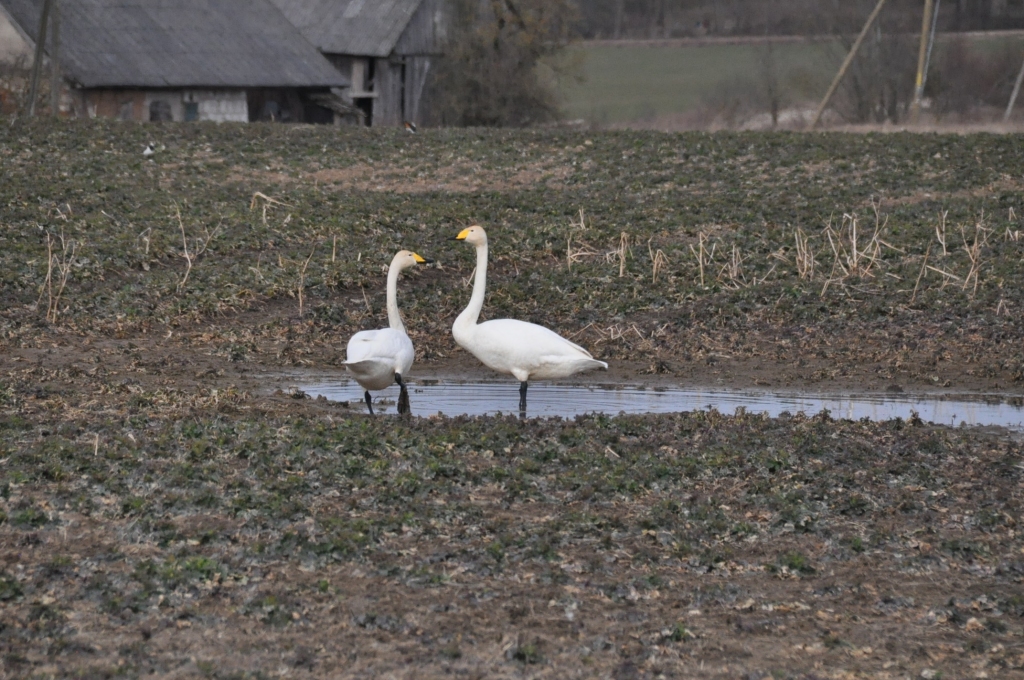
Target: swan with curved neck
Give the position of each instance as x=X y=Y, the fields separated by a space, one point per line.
x=378 y=358
x=519 y=348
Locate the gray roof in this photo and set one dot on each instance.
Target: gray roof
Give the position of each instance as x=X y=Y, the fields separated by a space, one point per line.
x=358 y=27
x=180 y=43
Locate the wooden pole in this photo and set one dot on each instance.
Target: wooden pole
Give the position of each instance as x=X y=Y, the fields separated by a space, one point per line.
x=846 y=63
x=931 y=41
x=922 y=53
x=37 y=61
x=55 y=77
x=1013 y=97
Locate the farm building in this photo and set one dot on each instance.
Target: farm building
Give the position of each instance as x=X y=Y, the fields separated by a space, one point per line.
x=385 y=47
x=218 y=60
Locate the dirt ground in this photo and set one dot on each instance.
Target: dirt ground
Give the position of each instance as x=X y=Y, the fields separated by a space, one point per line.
x=907 y=583
x=167 y=510
x=919 y=357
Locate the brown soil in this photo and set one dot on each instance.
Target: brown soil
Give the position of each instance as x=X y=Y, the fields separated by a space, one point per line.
x=458 y=176
x=921 y=358
x=905 y=611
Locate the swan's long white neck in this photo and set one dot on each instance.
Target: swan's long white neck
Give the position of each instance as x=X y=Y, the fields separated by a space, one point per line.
x=394 y=318
x=471 y=313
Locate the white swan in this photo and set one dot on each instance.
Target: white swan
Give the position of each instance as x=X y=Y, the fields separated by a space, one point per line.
x=522 y=349
x=378 y=358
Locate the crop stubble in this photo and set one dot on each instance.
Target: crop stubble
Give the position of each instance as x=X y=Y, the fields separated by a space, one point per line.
x=164 y=510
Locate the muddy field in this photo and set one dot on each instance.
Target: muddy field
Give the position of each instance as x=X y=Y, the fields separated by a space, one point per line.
x=166 y=509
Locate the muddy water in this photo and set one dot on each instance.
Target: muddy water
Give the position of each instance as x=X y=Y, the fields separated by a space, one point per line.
x=452 y=398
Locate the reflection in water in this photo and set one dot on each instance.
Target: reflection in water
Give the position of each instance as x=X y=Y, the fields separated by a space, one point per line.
x=430 y=397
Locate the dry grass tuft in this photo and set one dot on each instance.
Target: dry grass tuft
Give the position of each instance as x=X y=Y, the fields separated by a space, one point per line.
x=805 y=261
x=61 y=264
x=658 y=261
x=924 y=268
x=973 y=250
x=940 y=231
x=851 y=259
x=200 y=246
x=583 y=250
x=302 y=279
x=733 y=270
x=705 y=257
x=260 y=198
x=620 y=253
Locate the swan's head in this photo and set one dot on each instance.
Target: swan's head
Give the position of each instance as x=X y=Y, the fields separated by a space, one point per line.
x=406 y=258
x=475 y=235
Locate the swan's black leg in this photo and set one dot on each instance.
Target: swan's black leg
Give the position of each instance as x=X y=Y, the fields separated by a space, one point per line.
x=522 y=398
x=403 y=396
x=366 y=395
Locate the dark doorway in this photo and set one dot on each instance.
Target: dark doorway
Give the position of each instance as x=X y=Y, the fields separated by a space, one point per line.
x=160 y=111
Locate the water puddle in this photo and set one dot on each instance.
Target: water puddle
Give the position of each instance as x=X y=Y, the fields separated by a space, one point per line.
x=453 y=398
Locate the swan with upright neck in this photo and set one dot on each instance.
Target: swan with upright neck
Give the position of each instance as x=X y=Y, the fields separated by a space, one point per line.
x=518 y=348
x=380 y=357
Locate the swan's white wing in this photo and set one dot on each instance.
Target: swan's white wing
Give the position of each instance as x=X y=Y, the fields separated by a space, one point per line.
x=372 y=374
x=539 y=340
x=373 y=357
x=527 y=350
x=379 y=344
x=562 y=341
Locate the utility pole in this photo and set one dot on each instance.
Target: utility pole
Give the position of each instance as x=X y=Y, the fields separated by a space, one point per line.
x=55 y=79
x=37 y=61
x=846 y=63
x=926 y=22
x=1013 y=97
x=931 y=41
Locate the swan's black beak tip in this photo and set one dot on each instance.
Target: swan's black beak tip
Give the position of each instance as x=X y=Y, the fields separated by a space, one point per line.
x=427 y=260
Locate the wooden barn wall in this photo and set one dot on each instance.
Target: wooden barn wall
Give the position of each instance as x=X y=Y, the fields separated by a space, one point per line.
x=387 y=108
x=425 y=33
x=418 y=46
x=417 y=72
x=123 y=104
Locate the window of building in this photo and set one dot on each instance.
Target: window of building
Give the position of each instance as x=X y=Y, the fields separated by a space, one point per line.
x=160 y=111
x=191 y=111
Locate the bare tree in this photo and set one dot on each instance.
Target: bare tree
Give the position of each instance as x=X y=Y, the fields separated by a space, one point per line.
x=655 y=16
x=879 y=84
x=658 y=18
x=488 y=75
x=620 y=6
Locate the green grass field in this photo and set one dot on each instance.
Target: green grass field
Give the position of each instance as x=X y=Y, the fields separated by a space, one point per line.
x=635 y=82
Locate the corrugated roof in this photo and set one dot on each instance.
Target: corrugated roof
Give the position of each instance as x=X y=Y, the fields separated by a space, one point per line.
x=180 y=43
x=358 y=27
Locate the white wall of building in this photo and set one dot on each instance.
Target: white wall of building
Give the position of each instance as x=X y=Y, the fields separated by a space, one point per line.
x=222 y=106
x=12 y=43
x=215 y=105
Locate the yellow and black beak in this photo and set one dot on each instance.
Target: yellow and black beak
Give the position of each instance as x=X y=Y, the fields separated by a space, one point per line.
x=420 y=260
x=463 y=234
